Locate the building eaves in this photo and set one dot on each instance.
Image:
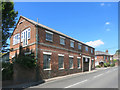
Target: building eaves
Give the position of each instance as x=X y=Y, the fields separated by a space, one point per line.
x=50 y=29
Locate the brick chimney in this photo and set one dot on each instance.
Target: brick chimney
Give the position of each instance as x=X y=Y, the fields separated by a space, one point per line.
x=106 y=51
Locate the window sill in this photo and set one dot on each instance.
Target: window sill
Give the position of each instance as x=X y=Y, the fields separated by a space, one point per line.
x=61 y=68
x=79 y=68
x=25 y=46
x=71 y=68
x=62 y=44
x=49 y=40
x=47 y=69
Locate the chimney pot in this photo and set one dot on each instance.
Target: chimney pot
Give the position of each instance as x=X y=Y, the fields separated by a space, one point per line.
x=106 y=51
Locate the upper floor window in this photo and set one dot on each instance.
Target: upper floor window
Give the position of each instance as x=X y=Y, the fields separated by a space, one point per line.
x=86 y=48
x=25 y=35
x=104 y=57
x=107 y=58
x=29 y=33
x=62 y=40
x=71 y=43
x=16 y=39
x=49 y=36
x=79 y=46
x=91 y=50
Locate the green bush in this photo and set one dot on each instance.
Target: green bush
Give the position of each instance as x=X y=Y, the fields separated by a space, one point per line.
x=112 y=65
x=7 y=72
x=108 y=64
x=105 y=64
x=114 y=60
x=26 y=61
x=98 y=66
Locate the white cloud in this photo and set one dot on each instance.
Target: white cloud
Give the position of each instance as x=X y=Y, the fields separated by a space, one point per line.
x=102 y=4
x=107 y=23
x=95 y=43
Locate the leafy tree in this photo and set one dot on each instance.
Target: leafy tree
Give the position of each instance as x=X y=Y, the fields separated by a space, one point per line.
x=8 y=22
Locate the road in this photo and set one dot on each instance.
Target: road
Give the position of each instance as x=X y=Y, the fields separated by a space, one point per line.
x=102 y=78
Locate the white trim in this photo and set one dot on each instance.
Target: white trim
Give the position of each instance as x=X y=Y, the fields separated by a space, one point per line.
x=60 y=68
x=90 y=65
x=60 y=55
x=21 y=22
x=86 y=56
x=62 y=37
x=48 y=53
x=47 y=69
x=71 y=68
x=71 y=41
x=78 y=57
x=80 y=44
x=48 y=32
x=71 y=56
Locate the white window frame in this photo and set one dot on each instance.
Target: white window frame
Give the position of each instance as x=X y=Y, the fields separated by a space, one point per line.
x=80 y=62
x=86 y=48
x=69 y=61
x=29 y=31
x=51 y=34
x=79 y=44
x=61 y=55
x=71 y=41
x=91 y=50
x=16 y=39
x=26 y=37
x=104 y=58
x=63 y=39
x=48 y=53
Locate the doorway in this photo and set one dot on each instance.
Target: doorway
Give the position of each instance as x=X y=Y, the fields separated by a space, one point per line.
x=85 y=64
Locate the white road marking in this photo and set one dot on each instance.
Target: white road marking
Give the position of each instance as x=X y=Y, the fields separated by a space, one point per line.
x=77 y=83
x=97 y=75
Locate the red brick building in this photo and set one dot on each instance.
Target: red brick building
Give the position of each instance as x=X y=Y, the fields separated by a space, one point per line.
x=56 y=53
x=103 y=57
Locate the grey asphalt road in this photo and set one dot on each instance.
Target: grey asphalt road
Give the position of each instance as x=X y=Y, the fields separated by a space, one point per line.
x=102 y=78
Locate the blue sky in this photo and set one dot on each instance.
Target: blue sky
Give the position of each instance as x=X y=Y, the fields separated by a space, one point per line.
x=93 y=22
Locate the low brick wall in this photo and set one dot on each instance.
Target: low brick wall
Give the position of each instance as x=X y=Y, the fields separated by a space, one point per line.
x=55 y=73
x=22 y=75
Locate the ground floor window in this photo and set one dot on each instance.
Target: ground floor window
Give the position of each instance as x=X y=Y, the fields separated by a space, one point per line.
x=61 y=62
x=71 y=62
x=78 y=62
x=92 y=64
x=46 y=61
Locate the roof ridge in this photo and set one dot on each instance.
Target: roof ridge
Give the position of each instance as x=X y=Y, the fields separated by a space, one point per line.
x=36 y=23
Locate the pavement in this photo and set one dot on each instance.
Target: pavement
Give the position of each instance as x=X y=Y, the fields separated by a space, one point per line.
x=99 y=78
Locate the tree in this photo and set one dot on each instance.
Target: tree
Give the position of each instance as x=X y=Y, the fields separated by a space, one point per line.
x=8 y=22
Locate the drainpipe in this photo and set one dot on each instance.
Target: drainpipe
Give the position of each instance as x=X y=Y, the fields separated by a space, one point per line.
x=37 y=69
x=36 y=43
